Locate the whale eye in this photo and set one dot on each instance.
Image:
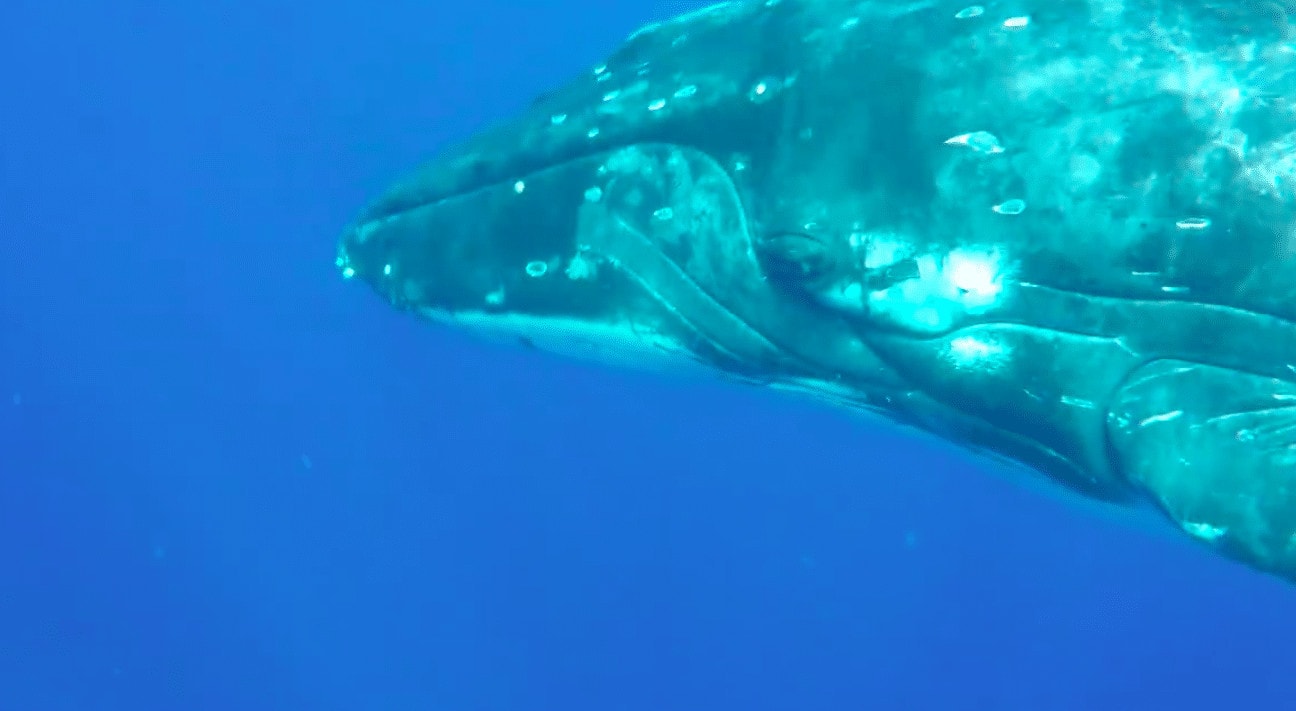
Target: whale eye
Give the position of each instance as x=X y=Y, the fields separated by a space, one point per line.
x=795 y=259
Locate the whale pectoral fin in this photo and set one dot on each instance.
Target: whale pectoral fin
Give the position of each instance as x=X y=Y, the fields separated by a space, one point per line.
x=1217 y=449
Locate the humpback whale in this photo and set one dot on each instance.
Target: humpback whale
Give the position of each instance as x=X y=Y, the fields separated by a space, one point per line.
x=1057 y=232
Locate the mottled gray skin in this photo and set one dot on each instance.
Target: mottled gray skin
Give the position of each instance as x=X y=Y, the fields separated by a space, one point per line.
x=827 y=196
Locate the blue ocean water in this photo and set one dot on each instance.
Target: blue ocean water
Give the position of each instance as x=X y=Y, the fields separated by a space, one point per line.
x=229 y=480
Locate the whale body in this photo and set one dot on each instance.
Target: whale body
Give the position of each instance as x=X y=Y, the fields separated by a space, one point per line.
x=1060 y=232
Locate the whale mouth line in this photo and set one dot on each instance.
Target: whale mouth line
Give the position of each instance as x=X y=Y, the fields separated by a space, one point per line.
x=380 y=216
x=627 y=344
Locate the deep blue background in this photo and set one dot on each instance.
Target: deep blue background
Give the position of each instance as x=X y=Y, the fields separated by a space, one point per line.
x=228 y=480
